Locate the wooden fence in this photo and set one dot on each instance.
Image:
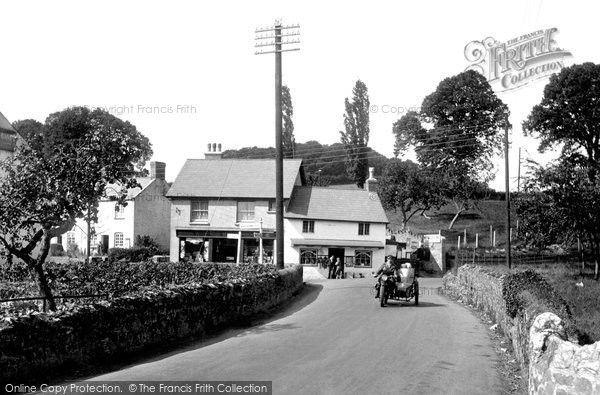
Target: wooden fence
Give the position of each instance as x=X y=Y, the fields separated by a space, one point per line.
x=482 y=257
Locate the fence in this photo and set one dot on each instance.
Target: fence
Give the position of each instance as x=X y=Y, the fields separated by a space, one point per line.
x=482 y=257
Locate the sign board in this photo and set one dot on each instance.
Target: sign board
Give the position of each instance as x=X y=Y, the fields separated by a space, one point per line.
x=233 y=235
x=433 y=238
x=248 y=225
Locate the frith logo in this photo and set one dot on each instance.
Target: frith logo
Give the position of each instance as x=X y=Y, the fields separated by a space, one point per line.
x=519 y=61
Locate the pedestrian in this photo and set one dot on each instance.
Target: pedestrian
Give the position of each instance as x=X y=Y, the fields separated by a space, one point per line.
x=339 y=268
x=332 y=268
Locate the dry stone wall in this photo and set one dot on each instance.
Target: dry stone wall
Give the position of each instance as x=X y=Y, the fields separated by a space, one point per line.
x=40 y=343
x=554 y=365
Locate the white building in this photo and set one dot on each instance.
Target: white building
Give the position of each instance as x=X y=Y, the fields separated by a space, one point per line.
x=146 y=213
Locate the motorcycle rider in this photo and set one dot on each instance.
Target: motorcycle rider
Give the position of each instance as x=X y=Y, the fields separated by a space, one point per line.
x=389 y=268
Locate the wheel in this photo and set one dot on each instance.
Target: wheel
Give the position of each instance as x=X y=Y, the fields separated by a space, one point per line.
x=416 y=294
x=382 y=295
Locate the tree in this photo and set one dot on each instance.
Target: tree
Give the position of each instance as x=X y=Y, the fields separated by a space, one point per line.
x=288 y=139
x=59 y=174
x=569 y=114
x=559 y=205
x=405 y=187
x=464 y=120
x=356 y=137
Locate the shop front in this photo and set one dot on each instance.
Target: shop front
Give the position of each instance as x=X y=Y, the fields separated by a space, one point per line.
x=225 y=246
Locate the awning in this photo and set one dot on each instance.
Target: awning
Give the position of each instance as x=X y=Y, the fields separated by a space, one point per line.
x=337 y=243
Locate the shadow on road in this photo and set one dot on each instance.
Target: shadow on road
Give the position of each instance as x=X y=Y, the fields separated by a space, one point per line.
x=422 y=305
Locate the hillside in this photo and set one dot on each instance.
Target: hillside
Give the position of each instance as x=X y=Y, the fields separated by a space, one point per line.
x=327 y=158
x=490 y=212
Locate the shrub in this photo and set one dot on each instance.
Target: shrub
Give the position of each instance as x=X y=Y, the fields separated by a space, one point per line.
x=56 y=250
x=133 y=254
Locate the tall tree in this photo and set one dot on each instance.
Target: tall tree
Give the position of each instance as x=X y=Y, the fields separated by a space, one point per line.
x=356 y=137
x=59 y=175
x=569 y=115
x=406 y=188
x=288 y=139
x=561 y=204
x=465 y=121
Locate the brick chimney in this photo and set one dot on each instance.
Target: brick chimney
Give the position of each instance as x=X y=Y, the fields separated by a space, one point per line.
x=214 y=151
x=372 y=185
x=157 y=170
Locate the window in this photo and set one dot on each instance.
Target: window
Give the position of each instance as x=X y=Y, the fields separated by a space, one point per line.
x=245 y=211
x=119 y=211
x=308 y=256
x=272 y=207
x=199 y=210
x=70 y=238
x=363 y=229
x=362 y=258
x=119 y=240
x=308 y=226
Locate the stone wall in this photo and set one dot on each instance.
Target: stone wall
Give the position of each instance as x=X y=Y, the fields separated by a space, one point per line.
x=34 y=345
x=558 y=366
x=553 y=365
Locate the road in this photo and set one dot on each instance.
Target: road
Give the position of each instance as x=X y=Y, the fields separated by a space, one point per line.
x=335 y=339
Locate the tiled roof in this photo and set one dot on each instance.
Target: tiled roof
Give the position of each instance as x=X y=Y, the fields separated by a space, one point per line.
x=114 y=189
x=238 y=178
x=355 y=205
x=5 y=125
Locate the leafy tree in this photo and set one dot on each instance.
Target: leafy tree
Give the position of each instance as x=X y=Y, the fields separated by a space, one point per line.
x=356 y=137
x=59 y=175
x=463 y=123
x=405 y=187
x=561 y=204
x=569 y=115
x=288 y=139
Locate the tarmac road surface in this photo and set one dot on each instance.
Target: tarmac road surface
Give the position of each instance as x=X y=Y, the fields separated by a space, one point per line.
x=335 y=339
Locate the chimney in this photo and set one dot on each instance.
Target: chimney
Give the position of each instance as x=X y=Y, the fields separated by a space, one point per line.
x=157 y=170
x=214 y=151
x=372 y=185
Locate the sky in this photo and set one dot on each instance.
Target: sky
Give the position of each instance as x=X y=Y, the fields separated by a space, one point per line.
x=185 y=73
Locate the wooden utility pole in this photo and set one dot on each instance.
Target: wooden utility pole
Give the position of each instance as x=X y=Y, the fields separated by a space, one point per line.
x=271 y=37
x=519 y=173
x=507 y=182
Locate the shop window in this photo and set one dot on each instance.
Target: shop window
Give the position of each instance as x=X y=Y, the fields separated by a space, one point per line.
x=363 y=258
x=308 y=256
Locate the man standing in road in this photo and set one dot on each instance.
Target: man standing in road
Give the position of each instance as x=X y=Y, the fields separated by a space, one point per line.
x=332 y=268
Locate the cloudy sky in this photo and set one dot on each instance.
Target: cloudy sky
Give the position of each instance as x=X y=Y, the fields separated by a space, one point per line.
x=185 y=73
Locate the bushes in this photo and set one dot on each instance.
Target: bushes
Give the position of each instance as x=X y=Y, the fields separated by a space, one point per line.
x=532 y=282
x=56 y=250
x=133 y=254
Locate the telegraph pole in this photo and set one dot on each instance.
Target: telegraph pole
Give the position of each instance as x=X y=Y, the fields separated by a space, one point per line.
x=519 y=173
x=271 y=37
x=508 y=258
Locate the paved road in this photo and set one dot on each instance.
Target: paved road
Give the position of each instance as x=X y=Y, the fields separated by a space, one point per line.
x=335 y=339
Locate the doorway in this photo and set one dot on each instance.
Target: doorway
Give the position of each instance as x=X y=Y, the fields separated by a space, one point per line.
x=224 y=250
x=337 y=253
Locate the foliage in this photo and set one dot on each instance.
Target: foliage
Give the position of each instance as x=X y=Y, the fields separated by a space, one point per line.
x=406 y=188
x=133 y=254
x=56 y=250
x=118 y=278
x=356 y=136
x=316 y=156
x=145 y=241
x=568 y=115
x=59 y=174
x=287 y=109
x=463 y=119
x=560 y=205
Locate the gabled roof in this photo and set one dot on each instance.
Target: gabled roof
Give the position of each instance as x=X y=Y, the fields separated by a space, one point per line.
x=115 y=189
x=356 y=205
x=233 y=178
x=5 y=126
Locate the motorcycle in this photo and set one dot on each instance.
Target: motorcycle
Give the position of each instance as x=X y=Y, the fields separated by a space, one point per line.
x=405 y=290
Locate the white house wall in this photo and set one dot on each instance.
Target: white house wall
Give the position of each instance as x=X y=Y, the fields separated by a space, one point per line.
x=336 y=230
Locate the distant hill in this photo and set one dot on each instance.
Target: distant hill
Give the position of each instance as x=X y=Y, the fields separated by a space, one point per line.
x=330 y=159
